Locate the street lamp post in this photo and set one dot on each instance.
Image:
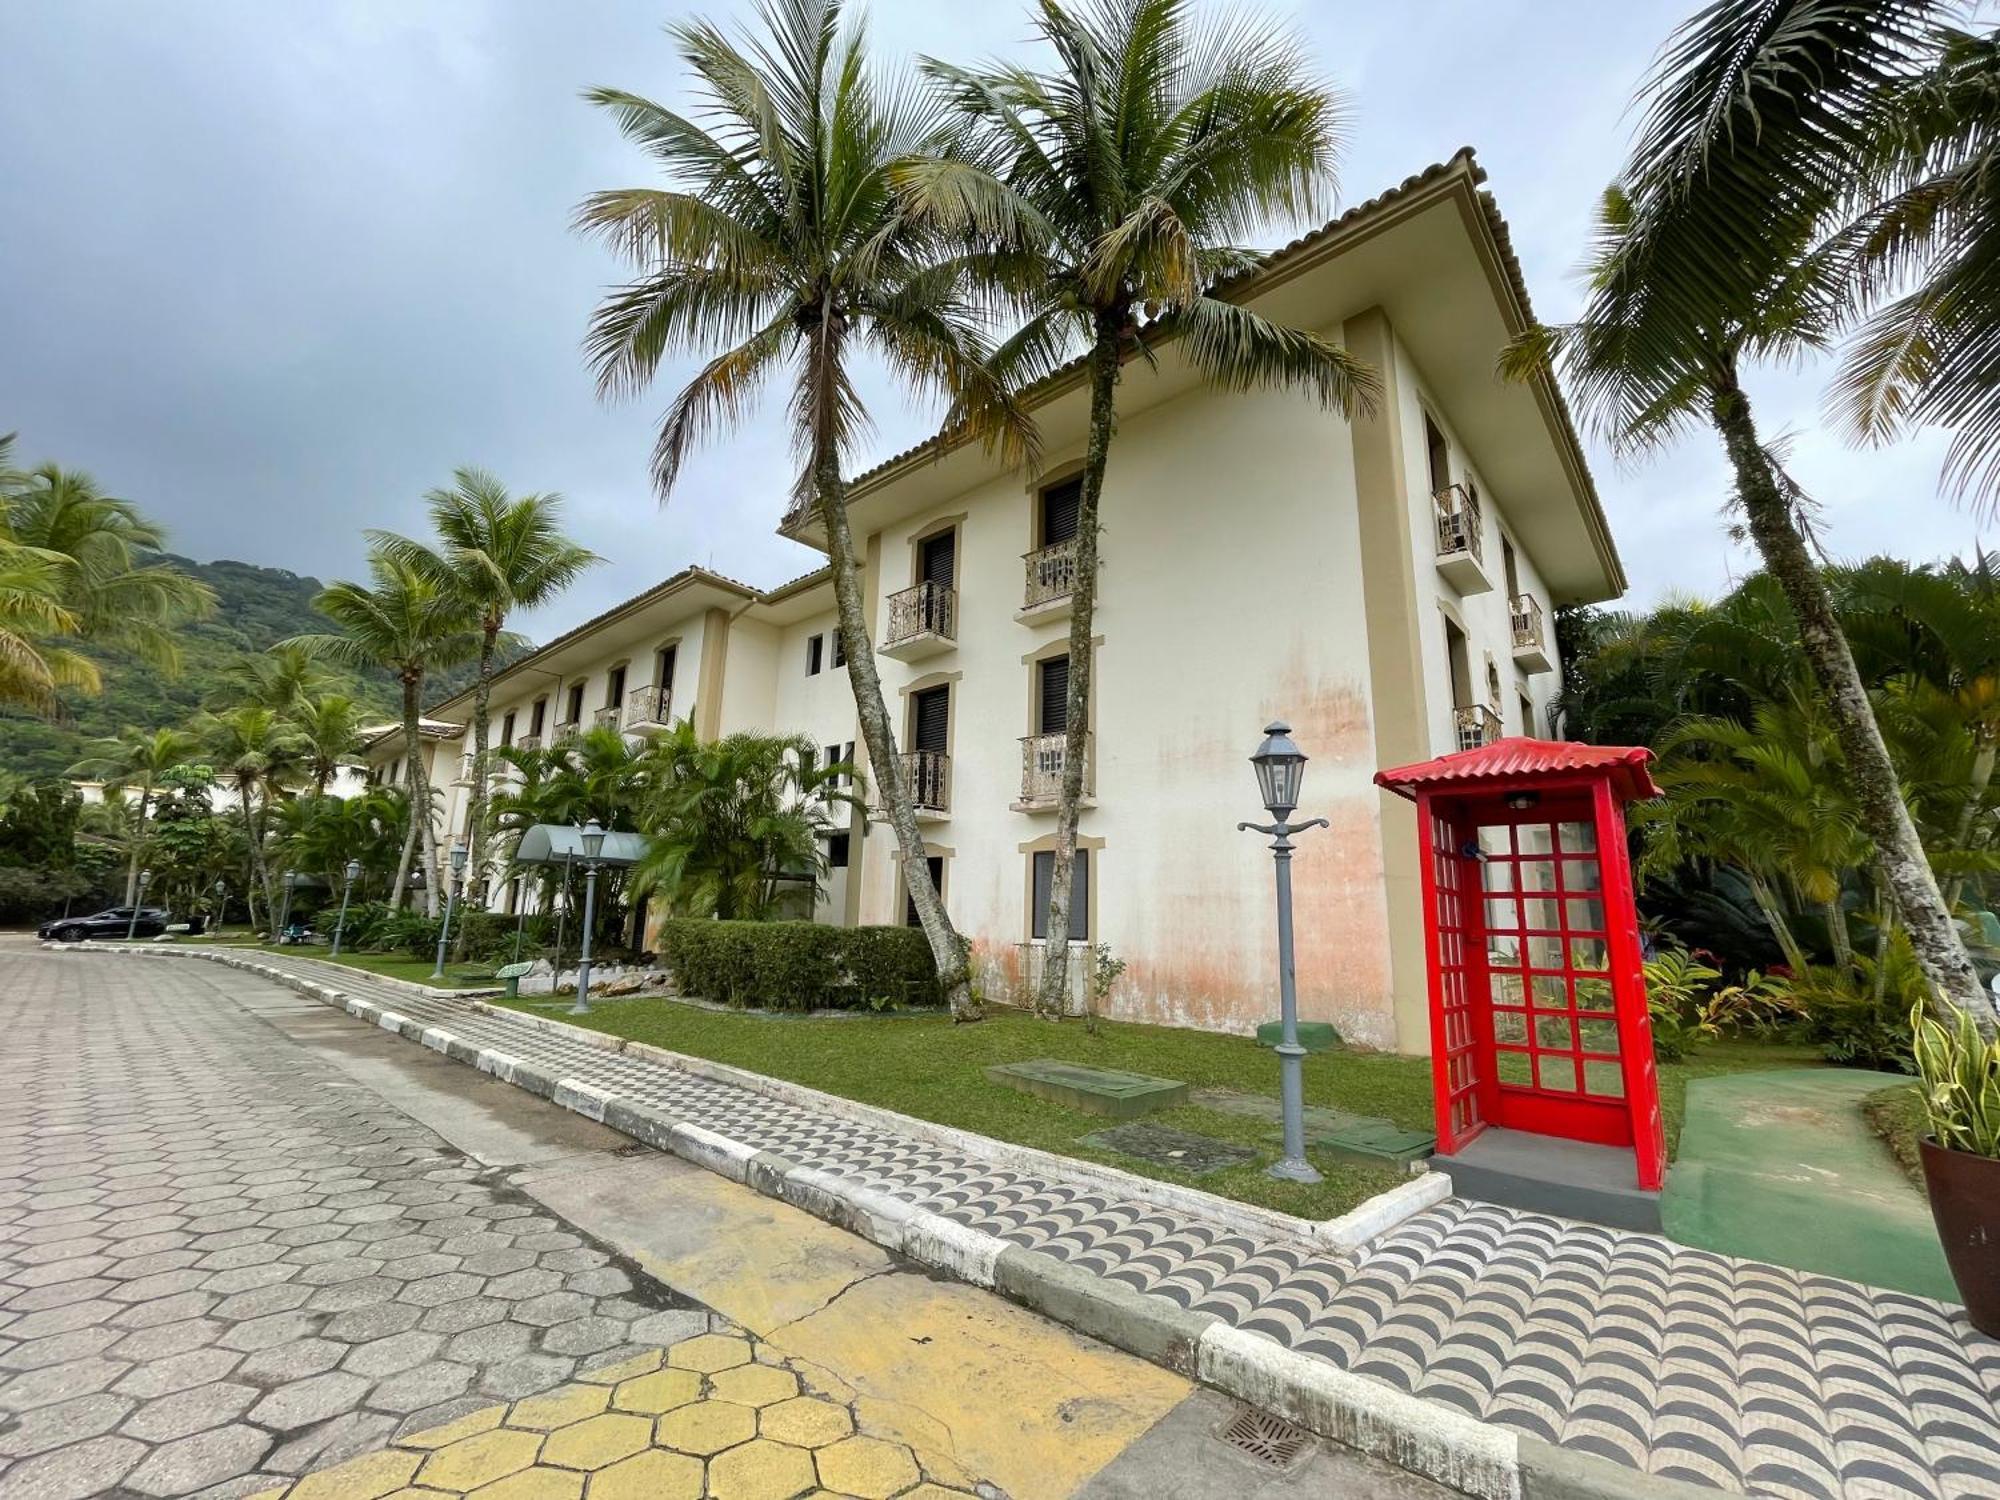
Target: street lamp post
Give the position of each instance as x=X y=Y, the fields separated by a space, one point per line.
x=285 y=911
x=221 y=889
x=132 y=926
x=593 y=846
x=1281 y=771
x=458 y=857
x=353 y=873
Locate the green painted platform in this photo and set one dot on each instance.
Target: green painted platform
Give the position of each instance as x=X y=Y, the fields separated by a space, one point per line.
x=1314 y=1036
x=1097 y=1091
x=1362 y=1138
x=1781 y=1166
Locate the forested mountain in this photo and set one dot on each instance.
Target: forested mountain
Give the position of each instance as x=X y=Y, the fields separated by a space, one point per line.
x=255 y=608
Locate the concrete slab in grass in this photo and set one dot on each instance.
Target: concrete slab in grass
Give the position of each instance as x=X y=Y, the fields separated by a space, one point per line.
x=1196 y=1155
x=1782 y=1166
x=1363 y=1138
x=1096 y=1091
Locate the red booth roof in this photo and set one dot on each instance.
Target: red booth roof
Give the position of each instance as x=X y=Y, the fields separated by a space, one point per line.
x=1520 y=761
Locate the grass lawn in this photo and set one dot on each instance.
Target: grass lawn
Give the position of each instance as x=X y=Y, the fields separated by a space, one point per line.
x=1897 y=1115
x=927 y=1067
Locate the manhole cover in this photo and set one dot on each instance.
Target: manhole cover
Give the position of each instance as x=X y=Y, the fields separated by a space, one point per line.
x=1268 y=1439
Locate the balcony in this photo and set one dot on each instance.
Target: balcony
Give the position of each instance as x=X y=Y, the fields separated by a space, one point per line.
x=567 y=732
x=648 y=709
x=528 y=742
x=465 y=765
x=928 y=773
x=1042 y=757
x=1461 y=548
x=1051 y=581
x=923 y=621
x=607 y=718
x=1476 y=725
x=1531 y=651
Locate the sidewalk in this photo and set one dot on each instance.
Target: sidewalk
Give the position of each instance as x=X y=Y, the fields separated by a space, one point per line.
x=1513 y=1331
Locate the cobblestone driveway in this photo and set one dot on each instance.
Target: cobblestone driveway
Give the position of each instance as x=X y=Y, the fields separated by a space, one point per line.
x=223 y=1263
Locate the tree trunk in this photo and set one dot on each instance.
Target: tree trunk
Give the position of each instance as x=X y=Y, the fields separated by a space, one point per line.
x=475 y=812
x=138 y=843
x=1781 y=930
x=948 y=949
x=1082 y=617
x=412 y=777
x=253 y=836
x=1835 y=917
x=1871 y=775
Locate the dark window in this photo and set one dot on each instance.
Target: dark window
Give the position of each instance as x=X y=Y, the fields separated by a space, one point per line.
x=938 y=558
x=931 y=716
x=839 y=648
x=847 y=753
x=1511 y=568
x=538 y=716
x=1052 y=702
x=1079 y=895
x=935 y=862
x=833 y=755
x=837 y=850
x=808 y=758
x=507 y=729
x=814 y=649
x=1438 y=452
x=614 y=688
x=575 y=703
x=663 y=669
x=1059 y=508
x=1527 y=716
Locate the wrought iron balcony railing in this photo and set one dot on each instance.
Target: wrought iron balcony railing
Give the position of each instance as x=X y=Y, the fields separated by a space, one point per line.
x=1051 y=574
x=928 y=609
x=928 y=773
x=1042 y=760
x=1458 y=522
x=606 y=718
x=569 y=731
x=1477 y=725
x=528 y=742
x=1526 y=613
x=648 y=708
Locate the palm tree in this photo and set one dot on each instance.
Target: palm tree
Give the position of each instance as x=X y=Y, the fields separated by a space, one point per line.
x=1927 y=241
x=1125 y=182
x=32 y=613
x=1710 y=256
x=280 y=679
x=406 y=622
x=254 y=750
x=496 y=554
x=118 y=594
x=329 y=732
x=781 y=238
x=134 y=761
x=735 y=825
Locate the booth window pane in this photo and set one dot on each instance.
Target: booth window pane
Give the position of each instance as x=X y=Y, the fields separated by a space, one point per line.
x=1508 y=990
x=1554 y=1033
x=1510 y=1026
x=1599 y=1036
x=1504 y=949
x=1556 y=1072
x=1495 y=838
x=1593 y=995
x=1538 y=874
x=1545 y=953
x=1514 y=1068
x=1581 y=875
x=1590 y=954
x=1539 y=915
x=1497 y=874
x=1550 y=991
x=1535 y=838
x=1577 y=838
x=1502 y=911
x=1605 y=1079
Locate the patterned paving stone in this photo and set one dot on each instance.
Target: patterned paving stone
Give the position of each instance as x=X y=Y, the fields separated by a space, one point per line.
x=1803 y=1386
x=183 y=1302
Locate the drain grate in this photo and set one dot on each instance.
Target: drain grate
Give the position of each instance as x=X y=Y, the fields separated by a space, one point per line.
x=1268 y=1439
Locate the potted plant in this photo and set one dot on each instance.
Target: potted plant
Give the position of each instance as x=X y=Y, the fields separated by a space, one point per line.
x=1960 y=1076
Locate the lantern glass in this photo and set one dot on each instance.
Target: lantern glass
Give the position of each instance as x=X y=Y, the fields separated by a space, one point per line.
x=593 y=839
x=1281 y=770
x=291 y=880
x=353 y=871
x=145 y=877
x=221 y=887
x=458 y=858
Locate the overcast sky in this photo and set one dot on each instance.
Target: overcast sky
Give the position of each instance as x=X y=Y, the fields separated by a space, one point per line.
x=273 y=270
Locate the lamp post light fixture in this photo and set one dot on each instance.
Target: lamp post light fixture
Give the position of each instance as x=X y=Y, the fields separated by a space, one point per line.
x=458 y=858
x=1281 y=771
x=353 y=873
x=593 y=847
x=221 y=889
x=285 y=911
x=132 y=926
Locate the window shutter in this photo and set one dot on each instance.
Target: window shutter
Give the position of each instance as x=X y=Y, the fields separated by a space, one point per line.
x=813 y=649
x=940 y=558
x=1059 y=508
x=1079 y=895
x=933 y=719
x=1055 y=695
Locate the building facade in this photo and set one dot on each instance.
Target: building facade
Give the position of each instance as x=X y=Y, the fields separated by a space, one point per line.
x=1387 y=585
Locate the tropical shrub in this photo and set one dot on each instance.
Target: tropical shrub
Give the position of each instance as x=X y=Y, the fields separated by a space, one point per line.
x=799 y=965
x=1689 y=1008
x=1860 y=1014
x=1961 y=1083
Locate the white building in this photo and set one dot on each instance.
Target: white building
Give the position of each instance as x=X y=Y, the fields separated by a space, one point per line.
x=1386 y=585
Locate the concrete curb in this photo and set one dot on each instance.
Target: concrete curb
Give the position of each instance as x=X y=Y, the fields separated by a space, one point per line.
x=1440 y=1443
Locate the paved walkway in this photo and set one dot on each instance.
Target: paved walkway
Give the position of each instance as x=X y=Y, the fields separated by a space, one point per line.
x=1682 y=1362
x=1782 y=1165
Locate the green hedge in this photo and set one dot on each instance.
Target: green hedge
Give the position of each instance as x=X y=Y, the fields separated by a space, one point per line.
x=799 y=965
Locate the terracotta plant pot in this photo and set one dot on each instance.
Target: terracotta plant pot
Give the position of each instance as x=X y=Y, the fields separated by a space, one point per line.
x=1965 y=1204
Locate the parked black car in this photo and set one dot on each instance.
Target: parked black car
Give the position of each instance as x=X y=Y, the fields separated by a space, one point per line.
x=114 y=922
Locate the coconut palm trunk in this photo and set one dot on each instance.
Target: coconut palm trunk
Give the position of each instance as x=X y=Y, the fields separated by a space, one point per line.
x=1104 y=366
x=475 y=812
x=253 y=838
x=948 y=949
x=138 y=841
x=1871 y=775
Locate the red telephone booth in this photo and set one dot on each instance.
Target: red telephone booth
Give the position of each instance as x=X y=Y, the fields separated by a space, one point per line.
x=1539 y=1030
